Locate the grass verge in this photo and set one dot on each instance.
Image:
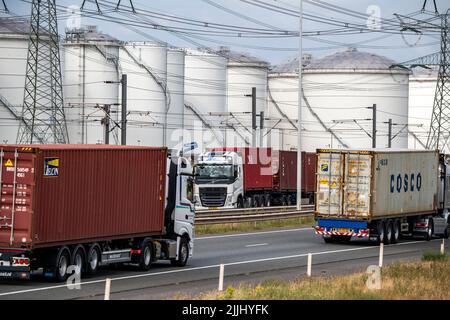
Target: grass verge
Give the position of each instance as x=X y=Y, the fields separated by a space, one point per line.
x=254 y=226
x=428 y=279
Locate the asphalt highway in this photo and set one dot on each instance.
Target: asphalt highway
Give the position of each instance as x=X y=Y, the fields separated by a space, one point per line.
x=249 y=258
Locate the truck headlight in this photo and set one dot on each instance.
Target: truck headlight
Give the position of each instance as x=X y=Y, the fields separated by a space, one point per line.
x=229 y=201
x=197 y=200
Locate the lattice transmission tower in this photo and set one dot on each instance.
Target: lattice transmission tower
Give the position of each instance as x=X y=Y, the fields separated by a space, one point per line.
x=43 y=108
x=439 y=132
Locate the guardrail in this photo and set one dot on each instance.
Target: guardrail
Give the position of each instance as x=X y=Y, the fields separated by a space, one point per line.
x=204 y=217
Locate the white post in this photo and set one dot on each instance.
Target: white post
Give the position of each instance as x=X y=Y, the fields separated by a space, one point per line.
x=443 y=247
x=308 y=271
x=221 y=275
x=107 y=288
x=299 y=114
x=380 y=261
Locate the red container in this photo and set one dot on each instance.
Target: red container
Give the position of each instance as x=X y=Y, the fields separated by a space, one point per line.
x=79 y=193
x=285 y=167
x=257 y=167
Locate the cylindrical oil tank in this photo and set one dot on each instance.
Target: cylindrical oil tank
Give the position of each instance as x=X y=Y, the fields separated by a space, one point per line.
x=340 y=90
x=244 y=72
x=14 y=35
x=91 y=88
x=145 y=64
x=175 y=85
x=205 y=97
x=422 y=90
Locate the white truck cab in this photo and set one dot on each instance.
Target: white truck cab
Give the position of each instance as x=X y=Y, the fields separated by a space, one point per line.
x=219 y=180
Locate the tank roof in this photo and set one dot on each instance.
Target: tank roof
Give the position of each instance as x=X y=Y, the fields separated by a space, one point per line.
x=290 y=65
x=352 y=59
x=14 y=26
x=88 y=33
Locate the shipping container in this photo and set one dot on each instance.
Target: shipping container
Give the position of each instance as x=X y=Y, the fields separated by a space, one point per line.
x=380 y=192
x=371 y=184
x=76 y=197
x=285 y=171
x=63 y=194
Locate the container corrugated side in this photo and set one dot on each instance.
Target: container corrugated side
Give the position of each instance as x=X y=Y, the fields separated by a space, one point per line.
x=97 y=193
x=404 y=183
x=364 y=185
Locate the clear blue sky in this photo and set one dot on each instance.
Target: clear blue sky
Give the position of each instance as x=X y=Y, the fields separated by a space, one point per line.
x=394 y=46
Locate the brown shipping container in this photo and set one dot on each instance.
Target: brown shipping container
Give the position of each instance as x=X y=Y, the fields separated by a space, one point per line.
x=72 y=193
x=285 y=178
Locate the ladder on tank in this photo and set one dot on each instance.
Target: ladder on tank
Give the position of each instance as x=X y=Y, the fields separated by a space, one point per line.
x=5 y=222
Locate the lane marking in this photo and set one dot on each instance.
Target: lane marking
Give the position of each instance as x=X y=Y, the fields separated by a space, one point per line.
x=214 y=266
x=256 y=245
x=252 y=233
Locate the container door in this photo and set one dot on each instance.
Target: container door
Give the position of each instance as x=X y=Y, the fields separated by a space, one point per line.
x=16 y=185
x=357 y=185
x=329 y=183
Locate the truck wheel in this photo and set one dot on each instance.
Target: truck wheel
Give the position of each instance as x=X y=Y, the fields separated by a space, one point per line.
x=388 y=232
x=183 y=254
x=395 y=231
x=329 y=239
x=146 y=259
x=79 y=258
x=429 y=234
x=380 y=232
x=240 y=203
x=62 y=262
x=447 y=232
x=93 y=260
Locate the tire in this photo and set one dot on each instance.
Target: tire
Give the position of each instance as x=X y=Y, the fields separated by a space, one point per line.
x=79 y=258
x=93 y=260
x=395 y=231
x=429 y=234
x=240 y=203
x=446 y=233
x=183 y=254
x=388 y=232
x=328 y=239
x=61 y=263
x=380 y=232
x=146 y=258
x=256 y=202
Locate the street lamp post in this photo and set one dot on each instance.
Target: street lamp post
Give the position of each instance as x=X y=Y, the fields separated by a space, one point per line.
x=300 y=97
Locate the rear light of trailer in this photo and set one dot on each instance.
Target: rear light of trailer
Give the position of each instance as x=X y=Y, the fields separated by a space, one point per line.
x=21 y=262
x=421 y=224
x=364 y=231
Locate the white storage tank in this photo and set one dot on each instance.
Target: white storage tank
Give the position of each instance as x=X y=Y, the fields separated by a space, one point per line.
x=91 y=60
x=205 y=97
x=422 y=89
x=14 y=35
x=243 y=73
x=175 y=85
x=145 y=64
x=339 y=90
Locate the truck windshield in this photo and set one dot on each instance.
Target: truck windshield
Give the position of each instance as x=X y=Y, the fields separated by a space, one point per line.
x=214 y=173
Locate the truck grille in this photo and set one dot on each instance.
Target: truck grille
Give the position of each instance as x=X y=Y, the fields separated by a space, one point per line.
x=213 y=197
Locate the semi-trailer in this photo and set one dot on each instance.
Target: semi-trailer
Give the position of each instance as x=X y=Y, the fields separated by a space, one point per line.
x=88 y=206
x=251 y=177
x=381 y=195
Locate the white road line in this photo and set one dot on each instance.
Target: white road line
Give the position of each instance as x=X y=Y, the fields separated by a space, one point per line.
x=252 y=233
x=256 y=245
x=212 y=266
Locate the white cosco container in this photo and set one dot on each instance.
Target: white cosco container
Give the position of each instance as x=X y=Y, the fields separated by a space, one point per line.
x=371 y=184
